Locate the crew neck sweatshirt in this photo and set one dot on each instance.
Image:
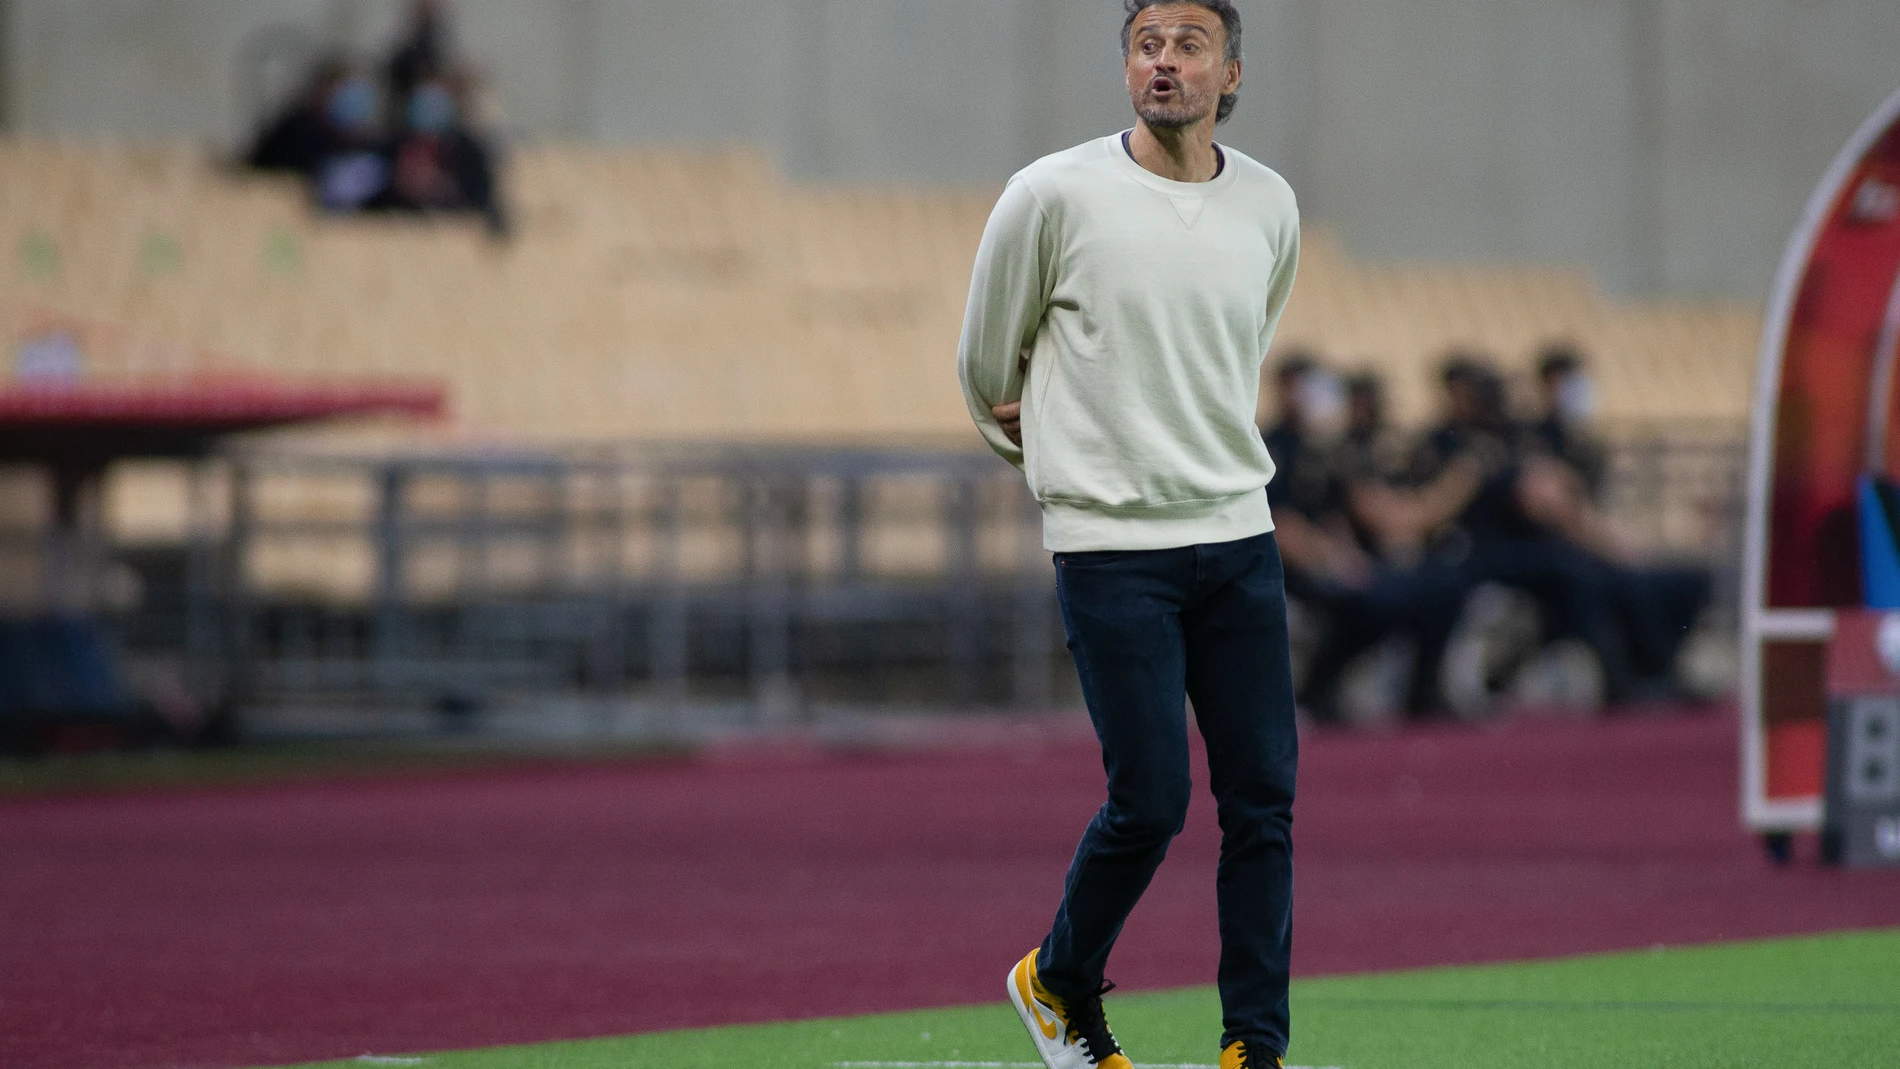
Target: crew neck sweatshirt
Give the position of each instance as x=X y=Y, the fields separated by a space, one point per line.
x=1130 y=314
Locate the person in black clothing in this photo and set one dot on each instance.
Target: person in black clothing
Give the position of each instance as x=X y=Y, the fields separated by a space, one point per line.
x=1519 y=525
x=1476 y=424
x=1657 y=605
x=1309 y=404
x=1325 y=516
x=1371 y=451
x=437 y=163
x=309 y=129
x=1532 y=525
x=355 y=168
x=1563 y=427
x=329 y=136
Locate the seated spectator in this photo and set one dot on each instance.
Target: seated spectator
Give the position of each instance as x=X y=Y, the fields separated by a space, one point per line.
x=1388 y=519
x=1568 y=402
x=1457 y=473
x=1371 y=449
x=354 y=167
x=1533 y=526
x=1475 y=422
x=1485 y=527
x=1311 y=407
x=437 y=163
x=1658 y=604
x=1328 y=568
x=307 y=130
x=1480 y=500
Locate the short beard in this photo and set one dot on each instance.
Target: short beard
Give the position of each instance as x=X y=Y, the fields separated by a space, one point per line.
x=1177 y=117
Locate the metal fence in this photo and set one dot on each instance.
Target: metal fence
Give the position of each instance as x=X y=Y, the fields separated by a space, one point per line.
x=777 y=580
x=666 y=585
x=1681 y=493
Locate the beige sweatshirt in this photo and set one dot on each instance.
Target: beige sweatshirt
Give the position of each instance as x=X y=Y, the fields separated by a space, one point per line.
x=1145 y=307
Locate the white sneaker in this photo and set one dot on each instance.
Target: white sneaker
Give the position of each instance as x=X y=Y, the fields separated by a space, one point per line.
x=1066 y=1037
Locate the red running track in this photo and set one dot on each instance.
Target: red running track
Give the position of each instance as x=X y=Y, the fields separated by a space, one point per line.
x=274 y=924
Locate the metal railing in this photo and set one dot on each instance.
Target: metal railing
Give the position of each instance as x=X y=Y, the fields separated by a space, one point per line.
x=779 y=579
x=772 y=583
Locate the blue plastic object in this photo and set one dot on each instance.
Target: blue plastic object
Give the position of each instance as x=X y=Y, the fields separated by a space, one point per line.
x=1879 y=548
x=59 y=667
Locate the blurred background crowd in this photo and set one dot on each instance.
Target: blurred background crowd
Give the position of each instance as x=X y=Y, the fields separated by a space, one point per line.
x=1426 y=537
x=404 y=135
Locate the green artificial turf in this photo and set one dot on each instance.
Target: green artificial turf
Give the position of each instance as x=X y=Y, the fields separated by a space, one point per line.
x=1829 y=1002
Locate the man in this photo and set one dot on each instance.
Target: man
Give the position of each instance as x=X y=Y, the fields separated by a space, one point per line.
x=439 y=164
x=1333 y=515
x=1306 y=497
x=1657 y=605
x=304 y=133
x=1568 y=402
x=1528 y=526
x=1124 y=297
x=1370 y=451
x=1311 y=407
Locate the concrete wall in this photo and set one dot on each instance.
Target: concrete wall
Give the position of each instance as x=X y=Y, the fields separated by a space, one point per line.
x=1478 y=129
x=1669 y=144
x=205 y=68
x=1753 y=98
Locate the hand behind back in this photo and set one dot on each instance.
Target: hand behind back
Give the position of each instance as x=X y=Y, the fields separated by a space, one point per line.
x=1011 y=417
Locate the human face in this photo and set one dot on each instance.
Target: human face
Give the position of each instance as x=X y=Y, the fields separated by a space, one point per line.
x=1363 y=411
x=1463 y=403
x=1175 y=69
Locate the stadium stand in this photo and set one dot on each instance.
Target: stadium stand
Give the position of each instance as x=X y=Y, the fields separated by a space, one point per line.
x=669 y=294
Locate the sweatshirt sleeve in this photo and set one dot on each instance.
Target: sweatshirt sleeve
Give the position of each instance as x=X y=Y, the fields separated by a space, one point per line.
x=1286 y=264
x=1008 y=294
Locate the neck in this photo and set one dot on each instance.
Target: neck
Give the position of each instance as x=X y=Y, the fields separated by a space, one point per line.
x=1180 y=154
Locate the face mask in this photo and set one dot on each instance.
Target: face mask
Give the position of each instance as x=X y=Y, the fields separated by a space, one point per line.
x=1322 y=402
x=431 y=110
x=353 y=104
x=1576 y=399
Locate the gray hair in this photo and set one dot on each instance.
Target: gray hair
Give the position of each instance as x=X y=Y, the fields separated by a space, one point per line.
x=1229 y=20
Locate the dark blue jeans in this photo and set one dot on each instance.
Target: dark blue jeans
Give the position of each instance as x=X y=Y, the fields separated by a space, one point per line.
x=1149 y=629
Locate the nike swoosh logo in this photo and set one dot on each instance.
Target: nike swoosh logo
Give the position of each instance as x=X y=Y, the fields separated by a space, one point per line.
x=1048 y=1028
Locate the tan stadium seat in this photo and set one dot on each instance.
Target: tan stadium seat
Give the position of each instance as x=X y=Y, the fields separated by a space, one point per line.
x=661 y=292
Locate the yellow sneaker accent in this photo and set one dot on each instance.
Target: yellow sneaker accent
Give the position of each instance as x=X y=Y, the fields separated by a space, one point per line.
x=1048 y=1022
x=1234 y=1056
x=1029 y=986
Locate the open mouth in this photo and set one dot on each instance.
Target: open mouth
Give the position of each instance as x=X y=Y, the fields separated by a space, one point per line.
x=1161 y=86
